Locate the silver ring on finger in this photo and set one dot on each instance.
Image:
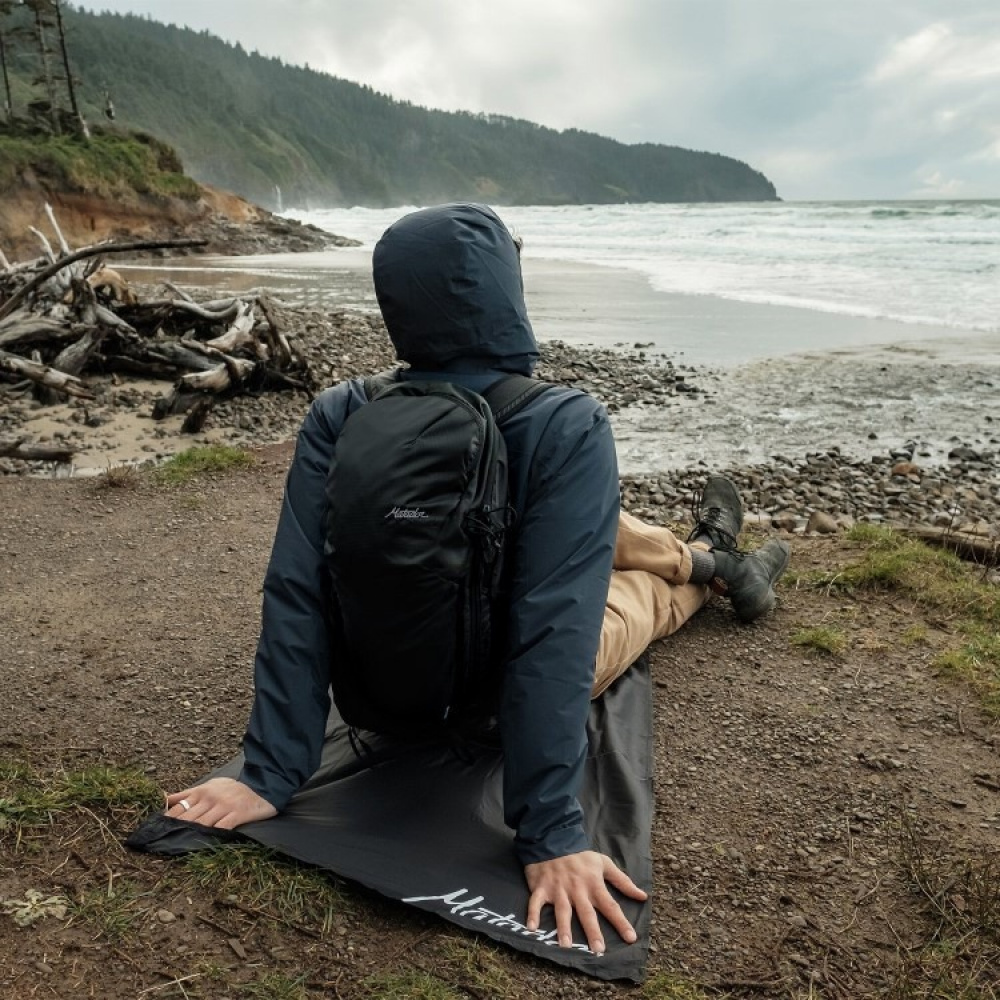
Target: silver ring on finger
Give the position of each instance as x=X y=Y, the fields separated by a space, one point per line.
x=184 y=804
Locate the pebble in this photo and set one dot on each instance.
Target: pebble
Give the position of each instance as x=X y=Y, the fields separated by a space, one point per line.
x=789 y=492
x=786 y=493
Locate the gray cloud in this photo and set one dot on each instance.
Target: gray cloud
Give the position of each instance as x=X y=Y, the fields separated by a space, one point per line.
x=895 y=98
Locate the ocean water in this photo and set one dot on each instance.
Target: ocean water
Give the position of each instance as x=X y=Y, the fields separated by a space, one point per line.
x=920 y=263
x=866 y=326
x=863 y=326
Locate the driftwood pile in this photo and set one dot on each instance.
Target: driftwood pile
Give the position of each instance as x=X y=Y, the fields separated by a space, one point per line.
x=67 y=317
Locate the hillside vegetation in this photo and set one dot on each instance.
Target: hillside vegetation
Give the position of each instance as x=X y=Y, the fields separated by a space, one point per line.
x=255 y=125
x=109 y=165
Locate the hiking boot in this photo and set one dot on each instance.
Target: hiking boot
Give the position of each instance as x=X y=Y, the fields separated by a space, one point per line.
x=749 y=577
x=718 y=515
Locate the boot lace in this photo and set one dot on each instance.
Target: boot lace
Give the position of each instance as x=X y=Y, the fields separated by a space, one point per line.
x=711 y=521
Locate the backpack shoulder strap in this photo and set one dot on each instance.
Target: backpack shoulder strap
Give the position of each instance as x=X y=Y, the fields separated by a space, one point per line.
x=512 y=394
x=374 y=384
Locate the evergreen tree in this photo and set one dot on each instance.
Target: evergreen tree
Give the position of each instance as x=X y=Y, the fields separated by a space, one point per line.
x=44 y=17
x=6 y=6
x=70 y=86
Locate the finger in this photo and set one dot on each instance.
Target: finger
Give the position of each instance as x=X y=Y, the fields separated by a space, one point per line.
x=564 y=920
x=230 y=821
x=587 y=916
x=176 y=797
x=180 y=809
x=213 y=814
x=615 y=916
x=535 y=903
x=621 y=881
x=196 y=812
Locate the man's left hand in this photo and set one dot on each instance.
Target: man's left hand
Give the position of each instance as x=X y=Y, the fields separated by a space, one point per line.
x=577 y=883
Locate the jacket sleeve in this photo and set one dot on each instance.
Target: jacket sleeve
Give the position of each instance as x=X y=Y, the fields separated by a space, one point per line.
x=287 y=724
x=562 y=567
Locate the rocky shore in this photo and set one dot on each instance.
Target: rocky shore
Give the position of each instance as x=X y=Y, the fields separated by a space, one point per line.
x=266 y=233
x=824 y=490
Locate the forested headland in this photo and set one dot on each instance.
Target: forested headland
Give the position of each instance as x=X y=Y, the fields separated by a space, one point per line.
x=287 y=136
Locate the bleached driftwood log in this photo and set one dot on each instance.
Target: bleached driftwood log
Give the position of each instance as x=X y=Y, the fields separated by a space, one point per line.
x=44 y=375
x=973 y=548
x=35 y=452
x=69 y=317
x=45 y=273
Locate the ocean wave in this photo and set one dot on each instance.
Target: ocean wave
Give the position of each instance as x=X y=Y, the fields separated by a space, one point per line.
x=832 y=307
x=927 y=263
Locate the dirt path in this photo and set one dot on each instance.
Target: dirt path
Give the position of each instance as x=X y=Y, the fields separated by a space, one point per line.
x=792 y=788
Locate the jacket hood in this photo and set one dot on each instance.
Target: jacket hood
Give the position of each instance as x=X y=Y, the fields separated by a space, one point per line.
x=448 y=282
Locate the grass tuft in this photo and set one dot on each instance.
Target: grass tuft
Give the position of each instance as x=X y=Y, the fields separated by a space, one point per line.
x=409 y=986
x=114 y=911
x=29 y=799
x=977 y=662
x=915 y=635
x=667 y=986
x=276 y=986
x=120 y=477
x=476 y=964
x=209 y=460
x=261 y=878
x=821 y=639
x=940 y=583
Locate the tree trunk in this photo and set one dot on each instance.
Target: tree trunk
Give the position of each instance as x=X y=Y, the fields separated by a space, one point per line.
x=43 y=52
x=84 y=131
x=8 y=100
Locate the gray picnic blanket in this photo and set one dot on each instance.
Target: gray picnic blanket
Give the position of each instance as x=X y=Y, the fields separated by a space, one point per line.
x=423 y=823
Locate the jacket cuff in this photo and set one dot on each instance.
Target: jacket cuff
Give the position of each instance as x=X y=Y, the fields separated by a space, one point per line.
x=275 y=792
x=560 y=842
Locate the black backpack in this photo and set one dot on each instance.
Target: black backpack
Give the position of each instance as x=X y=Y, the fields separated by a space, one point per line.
x=417 y=525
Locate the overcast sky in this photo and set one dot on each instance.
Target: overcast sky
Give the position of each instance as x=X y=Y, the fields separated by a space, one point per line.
x=829 y=98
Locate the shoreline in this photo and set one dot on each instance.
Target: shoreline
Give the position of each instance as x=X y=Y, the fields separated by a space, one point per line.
x=799 y=433
x=607 y=306
x=863 y=385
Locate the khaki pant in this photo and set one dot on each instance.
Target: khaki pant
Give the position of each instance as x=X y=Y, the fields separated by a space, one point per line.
x=649 y=596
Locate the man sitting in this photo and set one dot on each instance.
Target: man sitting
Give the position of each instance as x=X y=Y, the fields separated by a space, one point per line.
x=589 y=586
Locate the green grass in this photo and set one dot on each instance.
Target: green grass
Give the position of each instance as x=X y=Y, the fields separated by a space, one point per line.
x=208 y=460
x=821 y=639
x=413 y=985
x=264 y=880
x=110 y=165
x=476 y=964
x=667 y=986
x=276 y=986
x=977 y=661
x=114 y=911
x=914 y=635
x=29 y=799
x=956 y=594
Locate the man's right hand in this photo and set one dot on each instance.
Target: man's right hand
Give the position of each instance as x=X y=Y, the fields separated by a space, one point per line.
x=220 y=802
x=578 y=883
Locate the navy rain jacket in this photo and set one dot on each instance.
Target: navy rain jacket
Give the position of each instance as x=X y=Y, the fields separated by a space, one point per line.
x=448 y=281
